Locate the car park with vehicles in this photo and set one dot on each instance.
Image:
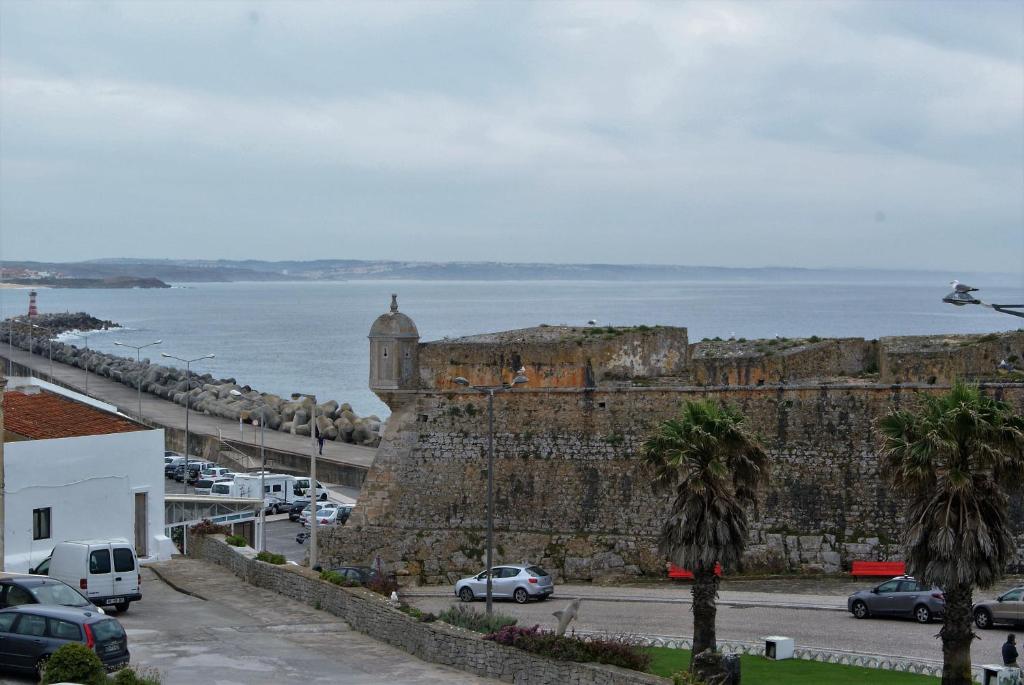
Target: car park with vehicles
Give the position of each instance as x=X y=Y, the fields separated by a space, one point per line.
x=1007 y=609
x=518 y=582
x=19 y=588
x=902 y=596
x=297 y=507
x=171 y=465
x=31 y=633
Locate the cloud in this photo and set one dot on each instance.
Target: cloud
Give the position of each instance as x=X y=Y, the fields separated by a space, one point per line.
x=795 y=120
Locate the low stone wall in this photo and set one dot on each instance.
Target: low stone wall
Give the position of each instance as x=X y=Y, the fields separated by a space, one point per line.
x=437 y=642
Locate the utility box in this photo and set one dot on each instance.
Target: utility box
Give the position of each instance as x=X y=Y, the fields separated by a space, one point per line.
x=778 y=647
x=993 y=674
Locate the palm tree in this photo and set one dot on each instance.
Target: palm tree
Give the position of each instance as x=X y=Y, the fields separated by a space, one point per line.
x=953 y=460
x=713 y=467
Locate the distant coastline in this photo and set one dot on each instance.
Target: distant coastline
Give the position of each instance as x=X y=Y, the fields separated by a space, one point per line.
x=107 y=272
x=94 y=283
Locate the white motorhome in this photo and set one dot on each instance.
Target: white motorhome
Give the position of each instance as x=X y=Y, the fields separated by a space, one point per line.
x=278 y=485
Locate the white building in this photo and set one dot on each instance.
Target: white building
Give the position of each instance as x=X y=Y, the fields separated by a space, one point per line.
x=76 y=469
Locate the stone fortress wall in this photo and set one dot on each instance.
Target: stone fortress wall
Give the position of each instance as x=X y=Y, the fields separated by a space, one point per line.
x=571 y=490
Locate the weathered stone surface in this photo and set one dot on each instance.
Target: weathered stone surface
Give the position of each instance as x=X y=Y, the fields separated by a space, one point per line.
x=572 y=492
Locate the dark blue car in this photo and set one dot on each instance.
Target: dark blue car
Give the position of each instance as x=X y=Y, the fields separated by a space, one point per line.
x=31 y=633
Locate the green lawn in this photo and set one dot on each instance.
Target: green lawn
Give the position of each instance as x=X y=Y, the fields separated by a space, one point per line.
x=756 y=670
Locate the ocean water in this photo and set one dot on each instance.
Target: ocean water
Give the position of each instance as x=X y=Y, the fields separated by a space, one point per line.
x=310 y=337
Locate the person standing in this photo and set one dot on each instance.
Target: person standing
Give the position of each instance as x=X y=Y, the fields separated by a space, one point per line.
x=1010 y=650
x=319 y=438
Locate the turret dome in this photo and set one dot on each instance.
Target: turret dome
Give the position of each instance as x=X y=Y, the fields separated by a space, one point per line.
x=394 y=324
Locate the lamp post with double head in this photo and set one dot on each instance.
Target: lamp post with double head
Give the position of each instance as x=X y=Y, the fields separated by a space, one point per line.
x=263 y=487
x=85 y=359
x=188 y=388
x=961 y=296
x=138 y=363
x=490 y=390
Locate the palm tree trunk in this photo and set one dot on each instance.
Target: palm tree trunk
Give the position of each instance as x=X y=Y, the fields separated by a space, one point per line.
x=705 y=592
x=957 y=635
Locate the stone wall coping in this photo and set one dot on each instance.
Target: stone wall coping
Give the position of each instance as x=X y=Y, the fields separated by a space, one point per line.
x=773 y=387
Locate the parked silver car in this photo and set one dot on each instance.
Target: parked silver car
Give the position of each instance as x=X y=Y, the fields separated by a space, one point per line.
x=519 y=582
x=901 y=596
x=1006 y=608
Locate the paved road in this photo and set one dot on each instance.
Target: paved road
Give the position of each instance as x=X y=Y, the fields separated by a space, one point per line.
x=168 y=413
x=242 y=634
x=813 y=620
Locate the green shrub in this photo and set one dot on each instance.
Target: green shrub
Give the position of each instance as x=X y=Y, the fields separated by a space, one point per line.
x=465 y=616
x=236 y=541
x=271 y=558
x=129 y=676
x=74 y=663
x=814 y=339
x=337 y=579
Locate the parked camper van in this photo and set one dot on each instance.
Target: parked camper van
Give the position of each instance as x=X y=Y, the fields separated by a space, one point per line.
x=105 y=571
x=275 y=485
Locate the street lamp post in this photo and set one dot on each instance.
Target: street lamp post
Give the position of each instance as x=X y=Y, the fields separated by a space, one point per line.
x=10 y=346
x=961 y=296
x=489 y=390
x=138 y=362
x=314 y=520
x=85 y=360
x=263 y=487
x=49 y=347
x=188 y=388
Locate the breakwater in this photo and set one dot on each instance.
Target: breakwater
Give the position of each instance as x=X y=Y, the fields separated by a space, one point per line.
x=223 y=397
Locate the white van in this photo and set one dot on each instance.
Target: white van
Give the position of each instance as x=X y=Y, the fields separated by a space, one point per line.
x=302 y=488
x=105 y=571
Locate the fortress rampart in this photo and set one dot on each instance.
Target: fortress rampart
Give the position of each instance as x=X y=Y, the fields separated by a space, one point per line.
x=571 y=491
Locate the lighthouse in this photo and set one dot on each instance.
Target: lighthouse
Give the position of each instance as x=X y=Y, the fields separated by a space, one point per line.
x=32 y=311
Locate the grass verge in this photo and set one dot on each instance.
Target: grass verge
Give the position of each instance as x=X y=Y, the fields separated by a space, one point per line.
x=760 y=671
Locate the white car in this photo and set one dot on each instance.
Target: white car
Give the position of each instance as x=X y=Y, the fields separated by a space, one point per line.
x=325 y=515
x=518 y=582
x=216 y=472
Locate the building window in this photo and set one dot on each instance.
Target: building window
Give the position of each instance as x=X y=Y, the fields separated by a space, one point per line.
x=41 y=523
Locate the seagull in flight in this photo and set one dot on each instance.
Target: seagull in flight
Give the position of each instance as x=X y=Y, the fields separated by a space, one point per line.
x=961 y=287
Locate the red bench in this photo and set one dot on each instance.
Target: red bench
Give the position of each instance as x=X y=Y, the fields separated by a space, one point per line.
x=887 y=569
x=684 y=574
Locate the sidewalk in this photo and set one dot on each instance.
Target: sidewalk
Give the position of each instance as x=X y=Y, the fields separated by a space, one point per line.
x=198 y=623
x=165 y=413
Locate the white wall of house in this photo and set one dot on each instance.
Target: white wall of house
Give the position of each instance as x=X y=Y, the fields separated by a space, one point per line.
x=89 y=483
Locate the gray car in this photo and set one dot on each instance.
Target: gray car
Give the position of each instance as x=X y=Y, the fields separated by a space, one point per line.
x=902 y=596
x=519 y=582
x=31 y=633
x=1007 y=608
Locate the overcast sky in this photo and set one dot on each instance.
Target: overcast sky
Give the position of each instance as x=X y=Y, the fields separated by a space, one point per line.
x=875 y=134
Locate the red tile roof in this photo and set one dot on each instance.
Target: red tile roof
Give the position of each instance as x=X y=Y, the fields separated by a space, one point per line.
x=45 y=415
